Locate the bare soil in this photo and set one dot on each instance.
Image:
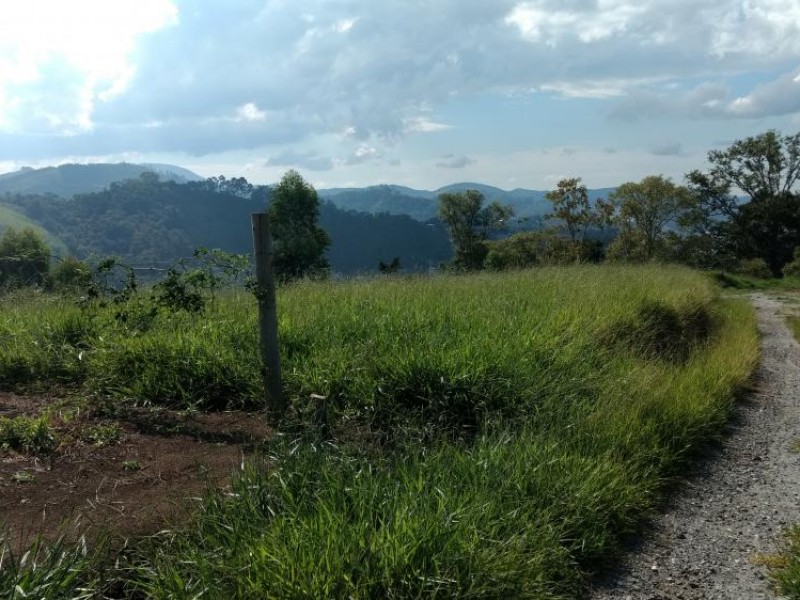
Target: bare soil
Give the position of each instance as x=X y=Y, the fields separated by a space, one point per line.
x=133 y=486
x=733 y=509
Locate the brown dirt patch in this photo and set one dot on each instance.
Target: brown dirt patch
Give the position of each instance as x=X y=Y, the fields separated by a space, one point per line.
x=134 y=486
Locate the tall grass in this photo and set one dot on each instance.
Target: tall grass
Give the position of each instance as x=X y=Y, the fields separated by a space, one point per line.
x=487 y=436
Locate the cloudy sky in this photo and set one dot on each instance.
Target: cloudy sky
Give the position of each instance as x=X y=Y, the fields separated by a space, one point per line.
x=420 y=93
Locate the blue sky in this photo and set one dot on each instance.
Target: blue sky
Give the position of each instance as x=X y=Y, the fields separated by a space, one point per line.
x=418 y=93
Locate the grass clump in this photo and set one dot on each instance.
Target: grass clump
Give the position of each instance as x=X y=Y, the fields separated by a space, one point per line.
x=793 y=321
x=48 y=570
x=747 y=282
x=102 y=434
x=27 y=434
x=784 y=567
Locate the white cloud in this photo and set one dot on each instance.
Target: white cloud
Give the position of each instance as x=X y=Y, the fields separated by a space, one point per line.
x=91 y=41
x=538 y=21
x=250 y=112
x=245 y=73
x=344 y=25
x=778 y=97
x=363 y=153
x=758 y=27
x=424 y=125
x=598 y=89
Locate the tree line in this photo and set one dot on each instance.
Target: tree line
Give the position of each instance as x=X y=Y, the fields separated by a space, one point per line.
x=742 y=214
x=147 y=222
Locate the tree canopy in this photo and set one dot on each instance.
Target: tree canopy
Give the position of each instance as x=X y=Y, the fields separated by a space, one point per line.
x=468 y=223
x=24 y=258
x=760 y=166
x=766 y=168
x=644 y=209
x=299 y=242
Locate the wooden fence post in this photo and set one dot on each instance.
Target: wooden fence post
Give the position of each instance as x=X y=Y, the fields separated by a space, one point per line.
x=267 y=315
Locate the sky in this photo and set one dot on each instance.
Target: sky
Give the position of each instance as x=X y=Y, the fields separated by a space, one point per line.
x=421 y=93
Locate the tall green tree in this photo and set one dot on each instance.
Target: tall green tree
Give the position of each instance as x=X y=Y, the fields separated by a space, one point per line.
x=766 y=168
x=573 y=209
x=469 y=223
x=24 y=258
x=760 y=166
x=299 y=243
x=644 y=209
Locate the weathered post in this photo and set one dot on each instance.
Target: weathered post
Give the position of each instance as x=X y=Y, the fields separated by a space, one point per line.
x=267 y=315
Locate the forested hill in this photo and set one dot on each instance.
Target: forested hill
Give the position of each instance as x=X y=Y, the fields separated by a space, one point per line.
x=146 y=221
x=423 y=204
x=68 y=180
x=71 y=179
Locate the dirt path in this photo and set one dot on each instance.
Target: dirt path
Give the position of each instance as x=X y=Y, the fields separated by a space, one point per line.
x=736 y=505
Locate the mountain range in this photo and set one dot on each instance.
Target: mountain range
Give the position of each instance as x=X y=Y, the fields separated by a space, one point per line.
x=123 y=210
x=67 y=180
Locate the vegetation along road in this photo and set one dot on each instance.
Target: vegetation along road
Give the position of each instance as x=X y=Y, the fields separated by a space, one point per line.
x=718 y=537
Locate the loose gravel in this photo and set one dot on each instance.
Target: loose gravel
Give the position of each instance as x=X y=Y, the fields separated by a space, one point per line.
x=706 y=543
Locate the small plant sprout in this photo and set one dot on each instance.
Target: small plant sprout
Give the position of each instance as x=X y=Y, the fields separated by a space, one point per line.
x=131 y=465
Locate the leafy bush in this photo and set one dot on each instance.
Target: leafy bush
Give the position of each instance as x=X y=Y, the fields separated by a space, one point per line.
x=754 y=267
x=70 y=274
x=792 y=269
x=27 y=434
x=24 y=258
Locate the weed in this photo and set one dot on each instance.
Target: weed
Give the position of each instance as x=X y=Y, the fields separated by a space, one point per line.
x=793 y=321
x=784 y=568
x=27 y=434
x=102 y=434
x=49 y=570
x=131 y=465
x=22 y=477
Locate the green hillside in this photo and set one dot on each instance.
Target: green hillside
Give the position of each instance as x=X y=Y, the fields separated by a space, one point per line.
x=423 y=204
x=9 y=217
x=152 y=223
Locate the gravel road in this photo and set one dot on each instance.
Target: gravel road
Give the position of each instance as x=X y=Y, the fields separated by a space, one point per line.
x=736 y=503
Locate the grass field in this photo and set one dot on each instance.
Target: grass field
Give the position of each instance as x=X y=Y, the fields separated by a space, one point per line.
x=485 y=436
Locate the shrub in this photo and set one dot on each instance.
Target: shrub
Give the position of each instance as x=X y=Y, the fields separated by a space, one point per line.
x=27 y=434
x=70 y=274
x=755 y=267
x=24 y=258
x=792 y=269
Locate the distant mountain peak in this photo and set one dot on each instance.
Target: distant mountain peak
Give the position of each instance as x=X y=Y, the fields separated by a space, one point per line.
x=69 y=179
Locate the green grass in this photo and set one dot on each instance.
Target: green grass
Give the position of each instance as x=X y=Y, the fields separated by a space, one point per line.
x=784 y=568
x=794 y=326
x=483 y=436
x=744 y=282
x=56 y=571
x=27 y=434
